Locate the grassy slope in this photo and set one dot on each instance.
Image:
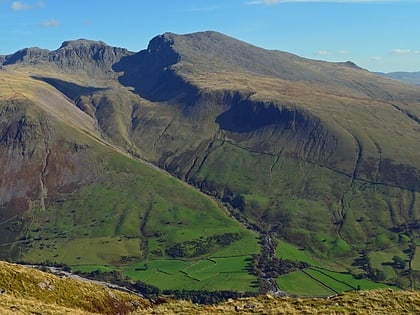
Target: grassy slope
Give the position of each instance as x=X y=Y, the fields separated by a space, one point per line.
x=369 y=302
x=134 y=214
x=301 y=201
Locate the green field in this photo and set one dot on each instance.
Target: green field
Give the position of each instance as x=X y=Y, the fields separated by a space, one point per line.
x=227 y=273
x=349 y=280
x=415 y=264
x=289 y=251
x=300 y=283
x=320 y=282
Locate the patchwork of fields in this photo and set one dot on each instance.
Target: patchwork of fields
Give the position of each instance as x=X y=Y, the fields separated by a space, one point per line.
x=322 y=282
x=217 y=273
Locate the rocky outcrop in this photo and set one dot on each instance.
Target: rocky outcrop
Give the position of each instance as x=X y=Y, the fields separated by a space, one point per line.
x=93 y=58
x=150 y=72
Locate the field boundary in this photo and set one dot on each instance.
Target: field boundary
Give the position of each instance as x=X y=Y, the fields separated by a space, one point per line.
x=320 y=282
x=331 y=277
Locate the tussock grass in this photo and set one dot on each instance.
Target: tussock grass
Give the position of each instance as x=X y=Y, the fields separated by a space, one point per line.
x=366 y=302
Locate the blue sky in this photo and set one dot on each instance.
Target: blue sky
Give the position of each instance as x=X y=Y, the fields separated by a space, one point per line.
x=377 y=35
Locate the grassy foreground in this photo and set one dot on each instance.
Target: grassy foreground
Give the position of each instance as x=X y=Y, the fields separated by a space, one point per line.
x=28 y=291
x=365 y=302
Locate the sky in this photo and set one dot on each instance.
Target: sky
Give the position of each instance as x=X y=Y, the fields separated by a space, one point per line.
x=379 y=35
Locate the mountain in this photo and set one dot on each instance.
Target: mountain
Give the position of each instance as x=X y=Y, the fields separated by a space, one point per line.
x=407 y=77
x=319 y=159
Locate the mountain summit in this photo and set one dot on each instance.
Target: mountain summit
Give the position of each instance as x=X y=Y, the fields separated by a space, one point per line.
x=319 y=156
x=91 y=57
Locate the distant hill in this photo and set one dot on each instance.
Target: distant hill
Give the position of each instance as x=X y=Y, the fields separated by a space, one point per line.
x=202 y=160
x=407 y=77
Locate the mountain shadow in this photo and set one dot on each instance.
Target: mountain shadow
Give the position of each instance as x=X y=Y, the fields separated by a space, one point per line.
x=152 y=76
x=70 y=89
x=246 y=116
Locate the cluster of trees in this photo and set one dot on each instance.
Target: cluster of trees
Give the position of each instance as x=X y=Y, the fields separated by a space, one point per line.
x=207 y=297
x=274 y=267
x=199 y=247
x=376 y=274
x=364 y=263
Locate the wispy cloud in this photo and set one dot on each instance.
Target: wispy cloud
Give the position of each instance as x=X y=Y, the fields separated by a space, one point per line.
x=51 y=23
x=19 y=6
x=401 y=52
x=323 y=53
x=22 y=6
x=405 y=52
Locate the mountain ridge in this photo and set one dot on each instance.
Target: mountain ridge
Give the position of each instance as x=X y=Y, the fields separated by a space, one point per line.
x=321 y=155
x=404 y=76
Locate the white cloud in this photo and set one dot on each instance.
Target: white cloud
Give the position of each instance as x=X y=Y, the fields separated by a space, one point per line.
x=405 y=52
x=376 y=58
x=51 y=23
x=323 y=53
x=21 y=6
x=344 y=52
x=401 y=52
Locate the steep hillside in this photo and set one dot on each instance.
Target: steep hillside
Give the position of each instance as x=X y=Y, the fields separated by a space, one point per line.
x=321 y=159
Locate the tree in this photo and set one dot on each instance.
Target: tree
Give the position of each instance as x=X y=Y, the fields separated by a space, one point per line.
x=398 y=262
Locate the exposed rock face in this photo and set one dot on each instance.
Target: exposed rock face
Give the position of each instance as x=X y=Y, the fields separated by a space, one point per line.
x=36 y=165
x=92 y=57
x=150 y=72
x=26 y=55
